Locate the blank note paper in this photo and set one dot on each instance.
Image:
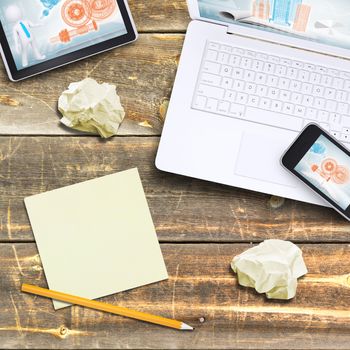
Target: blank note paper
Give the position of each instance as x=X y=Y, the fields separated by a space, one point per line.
x=96 y=238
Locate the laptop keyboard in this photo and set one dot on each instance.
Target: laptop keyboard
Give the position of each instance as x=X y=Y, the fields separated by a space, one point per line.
x=270 y=90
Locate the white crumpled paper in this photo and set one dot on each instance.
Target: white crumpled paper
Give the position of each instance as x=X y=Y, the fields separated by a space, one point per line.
x=273 y=267
x=91 y=107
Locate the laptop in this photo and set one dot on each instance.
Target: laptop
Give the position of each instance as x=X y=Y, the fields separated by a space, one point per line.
x=252 y=75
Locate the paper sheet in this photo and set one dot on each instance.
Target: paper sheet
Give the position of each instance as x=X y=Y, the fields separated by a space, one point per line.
x=96 y=238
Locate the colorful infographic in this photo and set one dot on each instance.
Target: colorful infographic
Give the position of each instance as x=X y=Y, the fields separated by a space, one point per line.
x=324 y=21
x=327 y=168
x=39 y=30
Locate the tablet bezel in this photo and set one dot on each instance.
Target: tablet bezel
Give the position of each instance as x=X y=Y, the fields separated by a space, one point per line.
x=280 y=39
x=15 y=74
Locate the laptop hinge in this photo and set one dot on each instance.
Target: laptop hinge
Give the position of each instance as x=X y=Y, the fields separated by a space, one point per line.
x=230 y=29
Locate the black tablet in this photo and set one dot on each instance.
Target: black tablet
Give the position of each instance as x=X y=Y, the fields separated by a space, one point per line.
x=40 y=35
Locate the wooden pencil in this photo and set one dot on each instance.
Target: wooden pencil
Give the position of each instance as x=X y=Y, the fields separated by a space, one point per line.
x=98 y=305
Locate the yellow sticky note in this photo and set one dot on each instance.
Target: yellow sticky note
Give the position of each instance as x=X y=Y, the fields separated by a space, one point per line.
x=96 y=238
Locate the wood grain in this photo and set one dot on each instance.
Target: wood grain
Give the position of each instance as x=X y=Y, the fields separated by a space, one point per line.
x=201 y=287
x=160 y=15
x=183 y=209
x=143 y=73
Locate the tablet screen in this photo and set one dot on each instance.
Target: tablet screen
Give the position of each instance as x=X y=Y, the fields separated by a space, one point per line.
x=322 y=21
x=41 y=30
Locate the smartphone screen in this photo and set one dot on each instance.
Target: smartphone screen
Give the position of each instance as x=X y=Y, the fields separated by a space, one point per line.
x=323 y=164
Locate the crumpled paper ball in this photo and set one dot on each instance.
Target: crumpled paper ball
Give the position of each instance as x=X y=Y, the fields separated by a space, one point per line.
x=273 y=267
x=92 y=107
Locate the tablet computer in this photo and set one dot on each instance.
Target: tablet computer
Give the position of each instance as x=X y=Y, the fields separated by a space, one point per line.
x=40 y=35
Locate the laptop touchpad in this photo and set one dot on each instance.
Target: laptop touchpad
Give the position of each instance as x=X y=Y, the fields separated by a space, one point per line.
x=259 y=158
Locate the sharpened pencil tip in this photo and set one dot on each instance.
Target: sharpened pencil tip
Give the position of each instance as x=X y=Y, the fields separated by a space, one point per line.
x=186 y=327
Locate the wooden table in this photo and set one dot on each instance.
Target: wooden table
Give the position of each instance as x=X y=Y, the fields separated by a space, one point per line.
x=200 y=225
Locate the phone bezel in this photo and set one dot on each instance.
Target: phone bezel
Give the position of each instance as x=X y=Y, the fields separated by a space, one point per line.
x=297 y=151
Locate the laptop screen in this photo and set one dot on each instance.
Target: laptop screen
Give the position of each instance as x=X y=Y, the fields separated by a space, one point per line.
x=322 y=21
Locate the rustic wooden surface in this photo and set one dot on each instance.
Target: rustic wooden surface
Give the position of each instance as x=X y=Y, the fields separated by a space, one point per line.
x=201 y=225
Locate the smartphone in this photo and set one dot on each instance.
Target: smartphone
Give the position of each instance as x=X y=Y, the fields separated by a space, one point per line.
x=323 y=164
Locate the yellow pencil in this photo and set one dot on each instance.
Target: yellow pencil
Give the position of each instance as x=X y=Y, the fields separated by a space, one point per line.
x=97 y=305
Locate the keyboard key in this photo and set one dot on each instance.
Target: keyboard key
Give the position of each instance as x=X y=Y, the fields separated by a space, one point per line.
x=230 y=95
x=338 y=83
x=250 y=88
x=343 y=108
x=237 y=73
x=303 y=76
x=285 y=95
x=249 y=75
x=212 y=55
x=322 y=116
x=308 y=101
x=292 y=73
x=295 y=85
x=300 y=111
x=258 y=65
x=211 y=79
x=226 y=48
x=272 y=80
x=226 y=71
x=242 y=98
x=330 y=93
x=246 y=63
x=324 y=126
x=311 y=113
x=320 y=103
x=269 y=68
x=265 y=103
x=253 y=101
x=211 y=91
x=307 y=122
x=297 y=98
x=235 y=60
x=347 y=85
x=335 y=134
x=288 y=108
x=213 y=46
x=276 y=106
x=238 y=85
x=261 y=78
x=274 y=119
x=342 y=96
x=273 y=93
x=321 y=70
x=224 y=107
x=237 y=110
x=331 y=106
x=261 y=90
x=306 y=88
x=318 y=91
x=281 y=70
x=344 y=138
x=211 y=67
x=326 y=80
x=200 y=102
x=223 y=57
x=315 y=78
x=212 y=105
x=227 y=83
x=284 y=83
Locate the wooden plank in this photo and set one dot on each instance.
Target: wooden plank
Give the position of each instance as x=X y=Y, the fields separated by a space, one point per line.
x=143 y=73
x=183 y=209
x=160 y=15
x=201 y=287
